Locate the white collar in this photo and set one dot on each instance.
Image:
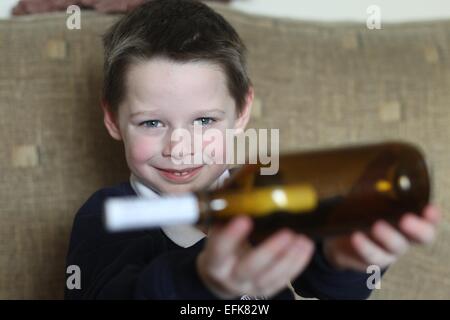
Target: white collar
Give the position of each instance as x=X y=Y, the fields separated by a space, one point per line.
x=183 y=235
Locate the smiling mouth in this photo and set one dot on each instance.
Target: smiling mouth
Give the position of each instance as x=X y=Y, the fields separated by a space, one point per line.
x=183 y=175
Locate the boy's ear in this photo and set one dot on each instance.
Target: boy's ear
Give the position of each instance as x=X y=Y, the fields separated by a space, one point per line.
x=110 y=122
x=244 y=116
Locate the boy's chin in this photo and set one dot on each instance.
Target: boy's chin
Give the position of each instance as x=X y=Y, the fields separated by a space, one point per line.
x=172 y=188
x=166 y=186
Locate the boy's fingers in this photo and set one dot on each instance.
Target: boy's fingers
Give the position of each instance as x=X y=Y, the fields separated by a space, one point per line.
x=18 y=10
x=369 y=252
x=135 y=3
x=64 y=4
x=37 y=6
x=225 y=242
x=343 y=255
x=90 y=3
x=432 y=214
x=390 y=238
x=106 y=7
x=417 y=229
x=260 y=257
x=353 y=263
x=112 y=6
x=214 y=279
x=287 y=267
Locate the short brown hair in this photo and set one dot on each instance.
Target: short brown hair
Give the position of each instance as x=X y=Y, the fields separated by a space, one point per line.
x=180 y=30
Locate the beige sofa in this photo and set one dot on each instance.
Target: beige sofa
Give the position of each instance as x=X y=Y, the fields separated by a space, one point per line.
x=321 y=84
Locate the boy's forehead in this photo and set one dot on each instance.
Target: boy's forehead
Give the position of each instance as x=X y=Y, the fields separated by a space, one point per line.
x=162 y=79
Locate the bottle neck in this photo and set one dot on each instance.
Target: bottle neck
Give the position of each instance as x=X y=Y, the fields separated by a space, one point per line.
x=205 y=214
x=256 y=202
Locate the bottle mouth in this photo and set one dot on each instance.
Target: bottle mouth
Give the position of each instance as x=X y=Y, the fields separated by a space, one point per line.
x=429 y=169
x=413 y=180
x=431 y=176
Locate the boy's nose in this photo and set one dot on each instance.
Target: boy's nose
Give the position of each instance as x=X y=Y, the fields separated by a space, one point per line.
x=179 y=145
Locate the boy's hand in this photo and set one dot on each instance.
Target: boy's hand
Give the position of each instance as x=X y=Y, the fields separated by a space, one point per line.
x=116 y=6
x=107 y=6
x=384 y=244
x=229 y=267
x=39 y=6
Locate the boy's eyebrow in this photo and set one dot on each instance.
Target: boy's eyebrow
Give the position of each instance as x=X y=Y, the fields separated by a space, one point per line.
x=211 y=110
x=199 y=112
x=141 y=112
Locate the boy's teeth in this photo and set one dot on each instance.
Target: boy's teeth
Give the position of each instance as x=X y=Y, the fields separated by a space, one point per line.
x=181 y=173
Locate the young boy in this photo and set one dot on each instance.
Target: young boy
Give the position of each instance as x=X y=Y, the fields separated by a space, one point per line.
x=175 y=64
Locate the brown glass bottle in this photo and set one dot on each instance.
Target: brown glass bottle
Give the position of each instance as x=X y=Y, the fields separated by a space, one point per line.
x=317 y=193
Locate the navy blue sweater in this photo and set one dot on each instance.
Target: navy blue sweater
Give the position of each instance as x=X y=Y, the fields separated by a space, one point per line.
x=148 y=265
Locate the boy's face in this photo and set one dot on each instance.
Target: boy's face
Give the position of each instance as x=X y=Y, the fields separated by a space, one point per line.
x=163 y=96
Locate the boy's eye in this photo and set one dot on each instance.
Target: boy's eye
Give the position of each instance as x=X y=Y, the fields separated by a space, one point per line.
x=204 y=121
x=151 y=123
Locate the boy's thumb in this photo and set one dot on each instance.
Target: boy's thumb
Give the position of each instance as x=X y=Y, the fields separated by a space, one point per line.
x=226 y=241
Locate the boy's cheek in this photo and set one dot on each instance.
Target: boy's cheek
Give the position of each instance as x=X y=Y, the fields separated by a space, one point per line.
x=141 y=149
